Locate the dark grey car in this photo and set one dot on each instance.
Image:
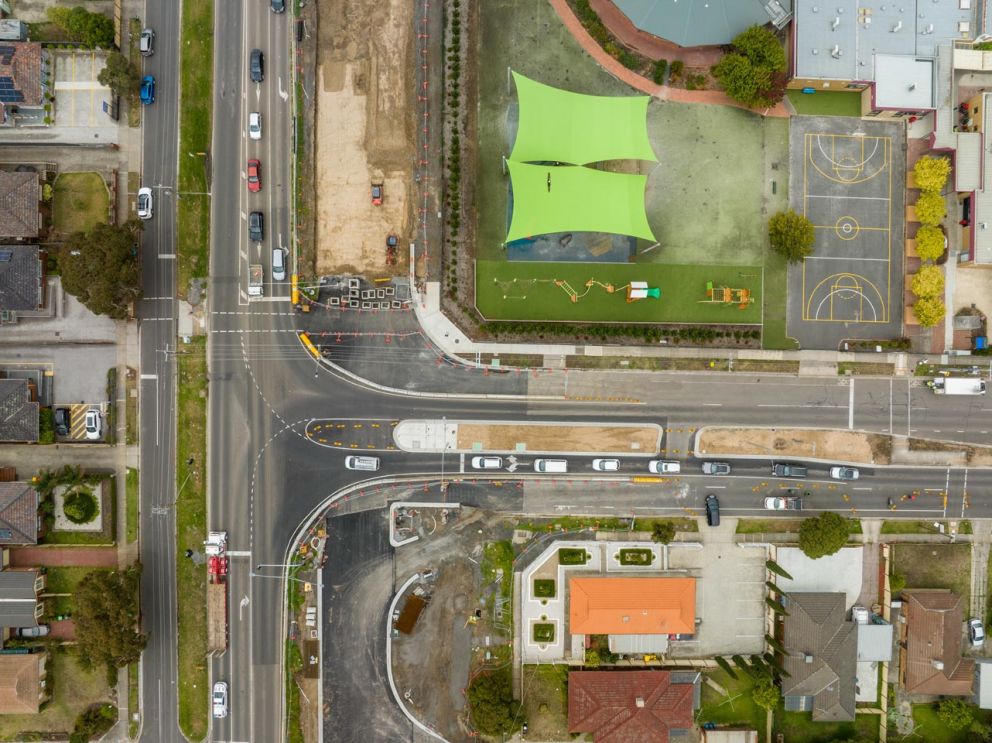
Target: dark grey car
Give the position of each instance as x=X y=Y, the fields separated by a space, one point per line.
x=712 y=510
x=256 y=227
x=256 y=66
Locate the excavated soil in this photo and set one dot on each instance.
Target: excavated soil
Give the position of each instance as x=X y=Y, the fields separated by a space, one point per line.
x=562 y=439
x=838 y=446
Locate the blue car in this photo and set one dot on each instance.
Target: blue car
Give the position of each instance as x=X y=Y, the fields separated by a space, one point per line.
x=147 y=89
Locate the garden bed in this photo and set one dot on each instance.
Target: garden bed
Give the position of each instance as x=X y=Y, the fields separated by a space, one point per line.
x=544 y=588
x=572 y=556
x=642 y=557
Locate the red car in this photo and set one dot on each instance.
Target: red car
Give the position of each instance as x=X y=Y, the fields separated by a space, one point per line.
x=254 y=176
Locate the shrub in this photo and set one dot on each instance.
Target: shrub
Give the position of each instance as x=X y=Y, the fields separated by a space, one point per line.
x=46 y=426
x=928 y=282
x=80 y=507
x=897 y=582
x=931 y=173
x=823 y=535
x=93 y=723
x=929 y=311
x=660 y=68
x=677 y=66
x=930 y=208
x=929 y=243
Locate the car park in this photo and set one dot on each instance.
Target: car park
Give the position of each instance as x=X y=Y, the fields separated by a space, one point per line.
x=783 y=469
x=146 y=42
x=783 y=503
x=487 y=463
x=254 y=176
x=147 y=90
x=42 y=630
x=712 y=510
x=716 y=468
x=256 y=227
x=144 y=203
x=844 y=473
x=61 y=421
x=256 y=66
x=661 y=467
x=976 y=632
x=606 y=465
x=278 y=264
x=362 y=463
x=219 y=700
x=93 y=425
x=255 y=125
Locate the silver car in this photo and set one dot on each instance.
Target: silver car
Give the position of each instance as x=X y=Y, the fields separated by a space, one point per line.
x=146 y=42
x=844 y=473
x=716 y=468
x=487 y=463
x=606 y=465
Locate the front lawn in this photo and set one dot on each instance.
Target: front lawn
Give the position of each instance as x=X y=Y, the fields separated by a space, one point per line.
x=826 y=103
x=80 y=201
x=736 y=708
x=64 y=580
x=935 y=566
x=572 y=556
x=544 y=632
x=545 y=703
x=544 y=588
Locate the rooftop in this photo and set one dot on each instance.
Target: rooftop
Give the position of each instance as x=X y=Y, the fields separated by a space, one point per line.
x=20 y=683
x=18 y=598
x=20 y=194
x=20 y=73
x=702 y=22
x=632 y=606
x=18 y=413
x=18 y=513
x=22 y=278
x=933 y=662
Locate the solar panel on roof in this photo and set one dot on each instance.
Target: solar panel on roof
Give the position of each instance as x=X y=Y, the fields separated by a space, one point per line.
x=6 y=256
x=6 y=534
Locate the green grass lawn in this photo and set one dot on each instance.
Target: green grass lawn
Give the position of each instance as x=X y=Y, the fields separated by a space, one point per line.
x=736 y=708
x=80 y=201
x=64 y=581
x=132 y=504
x=526 y=291
x=545 y=703
x=931 y=729
x=572 y=556
x=544 y=588
x=826 y=102
x=935 y=566
x=800 y=726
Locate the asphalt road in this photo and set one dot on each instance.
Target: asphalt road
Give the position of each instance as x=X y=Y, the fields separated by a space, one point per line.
x=157 y=334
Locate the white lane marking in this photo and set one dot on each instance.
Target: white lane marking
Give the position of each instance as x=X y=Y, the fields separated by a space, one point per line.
x=860 y=488
x=282 y=93
x=850 y=407
x=713 y=404
x=167 y=256
x=149 y=376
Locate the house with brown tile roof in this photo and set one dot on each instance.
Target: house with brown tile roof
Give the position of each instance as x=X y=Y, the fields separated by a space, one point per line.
x=632 y=606
x=22 y=683
x=18 y=513
x=930 y=659
x=19 y=411
x=21 y=72
x=821 y=656
x=20 y=197
x=22 y=278
x=632 y=706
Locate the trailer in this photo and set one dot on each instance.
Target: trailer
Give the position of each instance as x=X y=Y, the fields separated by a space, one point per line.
x=217 y=567
x=255 y=280
x=957 y=386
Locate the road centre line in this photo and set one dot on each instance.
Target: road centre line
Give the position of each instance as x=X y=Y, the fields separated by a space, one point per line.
x=860 y=488
x=850 y=407
x=167 y=256
x=149 y=376
x=844 y=258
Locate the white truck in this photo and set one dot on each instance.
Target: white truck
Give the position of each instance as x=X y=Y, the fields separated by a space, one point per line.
x=255 y=280
x=957 y=386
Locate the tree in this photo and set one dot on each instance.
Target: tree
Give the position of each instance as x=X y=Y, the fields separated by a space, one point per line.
x=663 y=531
x=823 y=535
x=753 y=72
x=120 y=75
x=93 y=722
x=791 y=235
x=760 y=46
x=725 y=665
x=494 y=711
x=897 y=582
x=741 y=79
x=106 y=618
x=101 y=268
x=928 y=282
x=929 y=311
x=931 y=173
x=955 y=713
x=929 y=243
x=765 y=693
x=777 y=569
x=930 y=208
x=93 y=29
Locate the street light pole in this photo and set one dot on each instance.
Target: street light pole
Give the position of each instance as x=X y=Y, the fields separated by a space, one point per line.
x=189 y=463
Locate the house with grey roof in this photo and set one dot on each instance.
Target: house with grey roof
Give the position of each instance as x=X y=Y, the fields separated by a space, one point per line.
x=703 y=22
x=887 y=50
x=821 y=656
x=19 y=602
x=20 y=199
x=19 y=521
x=19 y=411
x=22 y=280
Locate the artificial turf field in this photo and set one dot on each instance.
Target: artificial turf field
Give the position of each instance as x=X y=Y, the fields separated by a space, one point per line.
x=682 y=288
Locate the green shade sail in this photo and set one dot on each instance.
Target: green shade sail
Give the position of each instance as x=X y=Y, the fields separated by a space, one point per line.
x=548 y=199
x=560 y=126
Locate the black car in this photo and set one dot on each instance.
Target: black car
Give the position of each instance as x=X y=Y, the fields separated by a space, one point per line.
x=788 y=470
x=712 y=510
x=61 y=421
x=256 y=66
x=256 y=226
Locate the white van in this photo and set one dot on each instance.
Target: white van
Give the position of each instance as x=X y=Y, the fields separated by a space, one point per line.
x=366 y=464
x=278 y=264
x=551 y=466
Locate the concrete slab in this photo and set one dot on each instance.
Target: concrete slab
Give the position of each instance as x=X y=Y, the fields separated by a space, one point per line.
x=80 y=371
x=840 y=572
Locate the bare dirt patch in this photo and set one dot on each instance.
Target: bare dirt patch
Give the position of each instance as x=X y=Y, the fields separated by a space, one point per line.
x=842 y=446
x=564 y=439
x=364 y=132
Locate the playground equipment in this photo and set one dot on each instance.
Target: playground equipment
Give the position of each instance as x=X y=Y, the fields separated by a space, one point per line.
x=725 y=295
x=636 y=290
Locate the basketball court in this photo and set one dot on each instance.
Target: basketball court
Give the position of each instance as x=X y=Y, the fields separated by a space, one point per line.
x=848 y=178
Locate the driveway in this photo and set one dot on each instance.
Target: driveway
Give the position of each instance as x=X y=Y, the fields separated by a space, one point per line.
x=80 y=371
x=79 y=97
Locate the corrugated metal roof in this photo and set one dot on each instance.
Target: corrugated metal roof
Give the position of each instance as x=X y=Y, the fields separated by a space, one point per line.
x=874 y=642
x=700 y=22
x=983 y=692
x=968 y=162
x=638 y=644
x=981 y=207
x=904 y=82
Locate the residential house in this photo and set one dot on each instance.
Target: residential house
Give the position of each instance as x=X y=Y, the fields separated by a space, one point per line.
x=983 y=683
x=19 y=522
x=821 y=655
x=22 y=280
x=20 y=199
x=19 y=411
x=19 y=602
x=632 y=706
x=887 y=50
x=931 y=631
x=22 y=683
x=23 y=84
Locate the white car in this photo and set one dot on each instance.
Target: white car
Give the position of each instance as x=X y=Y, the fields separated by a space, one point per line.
x=606 y=465
x=786 y=503
x=844 y=473
x=144 y=203
x=255 y=125
x=219 y=699
x=487 y=463
x=94 y=426
x=976 y=632
x=661 y=467
x=146 y=42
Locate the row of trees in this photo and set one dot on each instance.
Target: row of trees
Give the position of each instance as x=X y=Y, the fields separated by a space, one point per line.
x=931 y=175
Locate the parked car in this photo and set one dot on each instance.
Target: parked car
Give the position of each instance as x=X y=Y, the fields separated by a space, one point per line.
x=716 y=468
x=606 y=465
x=61 y=421
x=365 y=464
x=278 y=264
x=219 y=699
x=844 y=473
x=146 y=42
x=256 y=227
x=376 y=194
x=976 y=632
x=783 y=503
x=147 y=90
x=256 y=66
x=144 y=203
x=42 y=630
x=712 y=510
x=661 y=467
x=487 y=463
x=255 y=125
x=788 y=470
x=254 y=176
x=94 y=425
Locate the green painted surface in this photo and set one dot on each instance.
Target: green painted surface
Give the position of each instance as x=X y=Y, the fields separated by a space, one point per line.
x=826 y=102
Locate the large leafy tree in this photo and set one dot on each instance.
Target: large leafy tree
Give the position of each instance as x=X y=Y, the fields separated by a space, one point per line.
x=494 y=711
x=93 y=29
x=929 y=243
x=791 y=234
x=101 y=267
x=929 y=311
x=930 y=208
x=823 y=535
x=955 y=713
x=120 y=74
x=931 y=173
x=765 y=693
x=106 y=618
x=753 y=72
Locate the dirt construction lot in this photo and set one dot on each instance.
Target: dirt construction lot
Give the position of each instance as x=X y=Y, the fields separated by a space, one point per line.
x=841 y=446
x=364 y=132
x=576 y=438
